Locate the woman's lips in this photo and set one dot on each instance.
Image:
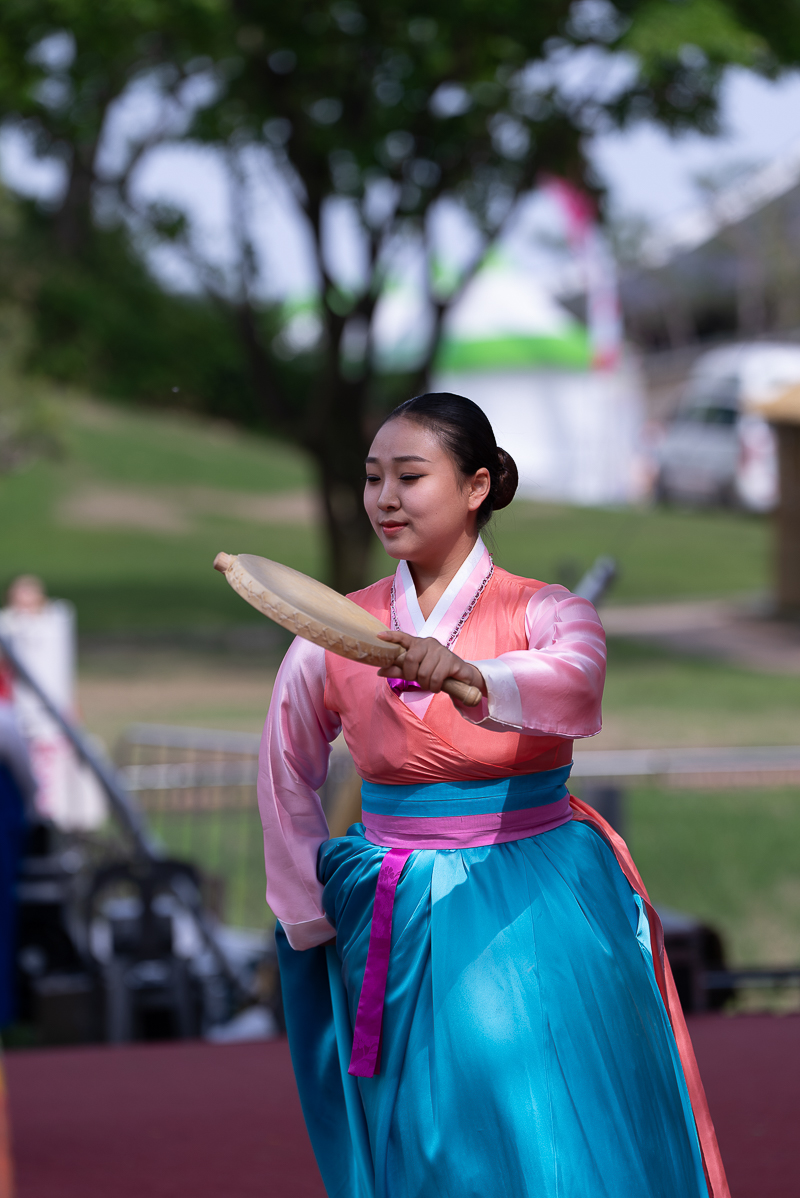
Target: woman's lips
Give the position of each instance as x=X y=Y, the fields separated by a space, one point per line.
x=391 y=527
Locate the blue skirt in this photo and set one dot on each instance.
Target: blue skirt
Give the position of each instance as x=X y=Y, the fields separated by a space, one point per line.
x=526 y=1051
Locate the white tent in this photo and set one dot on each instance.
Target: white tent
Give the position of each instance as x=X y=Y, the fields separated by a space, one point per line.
x=509 y=346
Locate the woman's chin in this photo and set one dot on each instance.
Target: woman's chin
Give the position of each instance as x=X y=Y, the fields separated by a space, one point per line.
x=398 y=546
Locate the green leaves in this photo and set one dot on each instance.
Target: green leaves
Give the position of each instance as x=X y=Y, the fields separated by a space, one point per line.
x=691 y=33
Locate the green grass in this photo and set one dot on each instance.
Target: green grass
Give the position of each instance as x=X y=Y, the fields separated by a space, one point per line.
x=125 y=578
x=655 y=698
x=728 y=858
x=147 y=448
x=661 y=553
x=128 y=579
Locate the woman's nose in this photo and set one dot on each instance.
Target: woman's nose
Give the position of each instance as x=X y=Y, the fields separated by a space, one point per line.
x=387 y=498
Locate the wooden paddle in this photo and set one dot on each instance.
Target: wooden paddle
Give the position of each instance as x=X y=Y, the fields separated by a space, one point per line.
x=311 y=610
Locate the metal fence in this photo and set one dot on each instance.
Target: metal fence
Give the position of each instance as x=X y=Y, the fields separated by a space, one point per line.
x=715 y=769
x=197 y=788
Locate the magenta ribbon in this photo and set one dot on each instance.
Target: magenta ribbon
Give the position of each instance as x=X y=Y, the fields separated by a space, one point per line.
x=405 y=834
x=403 y=684
x=366 y=1055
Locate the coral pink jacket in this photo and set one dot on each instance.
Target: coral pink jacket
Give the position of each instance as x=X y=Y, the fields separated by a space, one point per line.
x=542 y=653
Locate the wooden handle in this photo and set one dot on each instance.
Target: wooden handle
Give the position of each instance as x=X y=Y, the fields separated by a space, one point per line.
x=470 y=696
x=223 y=562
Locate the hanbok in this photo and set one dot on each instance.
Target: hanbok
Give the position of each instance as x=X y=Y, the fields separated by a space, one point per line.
x=495 y=1015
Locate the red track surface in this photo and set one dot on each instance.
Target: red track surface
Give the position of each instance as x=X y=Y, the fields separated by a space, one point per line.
x=202 y=1121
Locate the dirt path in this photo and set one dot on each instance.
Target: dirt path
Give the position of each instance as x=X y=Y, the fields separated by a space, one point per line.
x=174 y=509
x=164 y=688
x=737 y=632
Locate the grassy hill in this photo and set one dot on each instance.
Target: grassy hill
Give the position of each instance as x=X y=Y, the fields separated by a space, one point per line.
x=127 y=523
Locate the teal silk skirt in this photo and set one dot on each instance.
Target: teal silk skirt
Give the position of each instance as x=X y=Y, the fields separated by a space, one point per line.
x=526 y=1051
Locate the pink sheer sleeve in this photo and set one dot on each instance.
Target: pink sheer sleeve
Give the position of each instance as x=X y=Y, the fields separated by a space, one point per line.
x=554 y=687
x=292 y=765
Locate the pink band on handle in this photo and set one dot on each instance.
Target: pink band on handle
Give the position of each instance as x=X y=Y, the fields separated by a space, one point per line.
x=365 y=1057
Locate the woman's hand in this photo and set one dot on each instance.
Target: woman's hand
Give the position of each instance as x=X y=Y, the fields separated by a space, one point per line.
x=429 y=663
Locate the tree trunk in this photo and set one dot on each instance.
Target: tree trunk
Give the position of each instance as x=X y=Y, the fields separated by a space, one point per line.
x=332 y=431
x=336 y=437
x=73 y=222
x=349 y=534
x=787 y=520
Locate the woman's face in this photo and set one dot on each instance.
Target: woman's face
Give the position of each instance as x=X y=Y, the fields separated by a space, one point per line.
x=419 y=503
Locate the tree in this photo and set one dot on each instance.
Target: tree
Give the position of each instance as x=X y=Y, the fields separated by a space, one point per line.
x=390 y=109
x=98 y=315
x=387 y=110
x=64 y=64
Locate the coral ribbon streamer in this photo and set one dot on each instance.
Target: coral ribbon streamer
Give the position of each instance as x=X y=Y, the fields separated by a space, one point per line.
x=365 y=1057
x=6 y=1171
x=712 y=1160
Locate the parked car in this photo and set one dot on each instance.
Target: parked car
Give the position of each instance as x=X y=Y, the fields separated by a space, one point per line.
x=719 y=449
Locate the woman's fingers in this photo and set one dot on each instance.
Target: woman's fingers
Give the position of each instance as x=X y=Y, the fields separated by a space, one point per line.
x=434 y=664
x=428 y=662
x=399 y=638
x=439 y=675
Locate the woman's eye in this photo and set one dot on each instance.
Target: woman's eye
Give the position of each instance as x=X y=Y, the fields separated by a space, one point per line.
x=409 y=478
x=373 y=478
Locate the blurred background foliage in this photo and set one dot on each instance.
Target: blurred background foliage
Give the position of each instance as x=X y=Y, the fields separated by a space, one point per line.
x=391 y=107
x=31 y=419
x=217 y=437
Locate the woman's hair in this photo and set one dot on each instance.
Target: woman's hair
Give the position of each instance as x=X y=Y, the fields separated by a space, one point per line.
x=467 y=435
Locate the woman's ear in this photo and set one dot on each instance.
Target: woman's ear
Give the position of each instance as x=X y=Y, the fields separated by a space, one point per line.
x=479 y=487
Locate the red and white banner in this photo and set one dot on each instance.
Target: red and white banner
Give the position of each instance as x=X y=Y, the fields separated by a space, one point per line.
x=586 y=237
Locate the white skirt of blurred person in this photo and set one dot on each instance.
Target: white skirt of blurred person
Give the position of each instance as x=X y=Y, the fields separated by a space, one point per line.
x=44 y=641
x=757 y=468
x=67 y=791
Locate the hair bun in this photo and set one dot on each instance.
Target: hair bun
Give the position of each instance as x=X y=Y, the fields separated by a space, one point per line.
x=505 y=488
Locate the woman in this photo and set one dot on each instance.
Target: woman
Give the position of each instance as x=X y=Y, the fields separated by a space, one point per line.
x=473 y=980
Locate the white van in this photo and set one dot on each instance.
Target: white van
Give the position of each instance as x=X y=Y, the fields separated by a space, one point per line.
x=719 y=449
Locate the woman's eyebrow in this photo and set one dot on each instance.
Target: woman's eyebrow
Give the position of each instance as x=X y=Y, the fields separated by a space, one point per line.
x=406 y=457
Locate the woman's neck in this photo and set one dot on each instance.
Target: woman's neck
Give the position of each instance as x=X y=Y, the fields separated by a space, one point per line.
x=432 y=578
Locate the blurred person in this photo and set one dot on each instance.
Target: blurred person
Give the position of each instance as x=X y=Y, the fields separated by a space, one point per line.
x=42 y=634
x=475 y=991
x=17 y=804
x=757 y=483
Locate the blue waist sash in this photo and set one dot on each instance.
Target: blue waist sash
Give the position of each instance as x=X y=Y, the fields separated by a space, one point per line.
x=490 y=796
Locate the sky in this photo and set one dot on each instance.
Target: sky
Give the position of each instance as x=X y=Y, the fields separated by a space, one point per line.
x=648 y=174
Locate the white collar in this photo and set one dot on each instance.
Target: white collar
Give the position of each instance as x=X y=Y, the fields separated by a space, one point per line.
x=423 y=627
